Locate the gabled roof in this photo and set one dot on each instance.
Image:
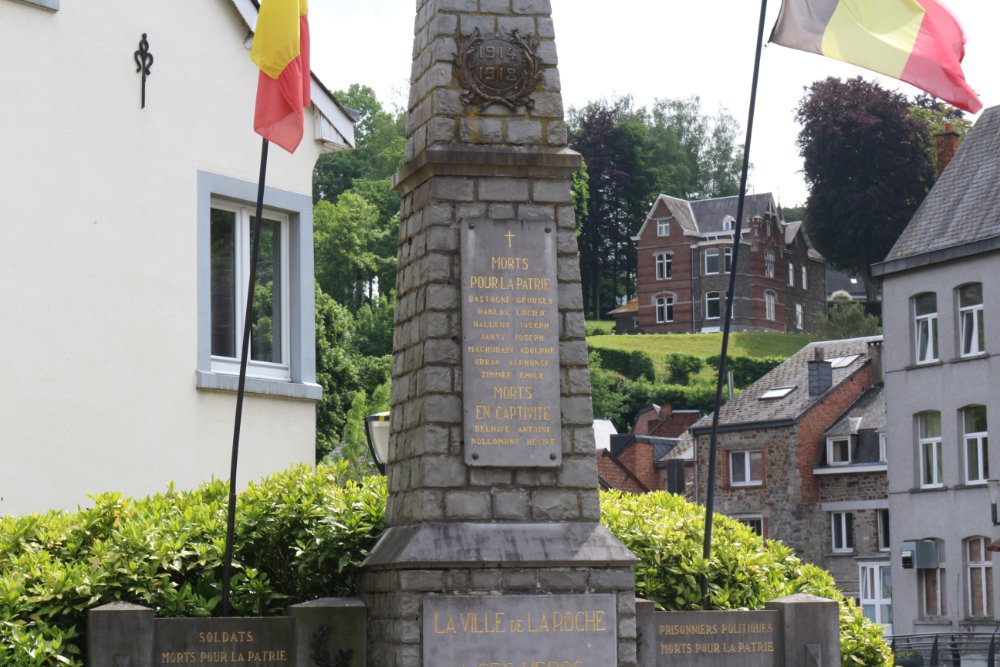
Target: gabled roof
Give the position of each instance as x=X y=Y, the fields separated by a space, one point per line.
x=749 y=410
x=868 y=413
x=631 y=307
x=709 y=213
x=334 y=125
x=961 y=214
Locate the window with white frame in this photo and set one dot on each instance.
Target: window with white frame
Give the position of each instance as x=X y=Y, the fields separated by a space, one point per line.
x=746 y=468
x=970 y=319
x=727 y=257
x=930 y=449
x=977 y=454
x=768 y=263
x=791 y=275
x=925 y=326
x=979 y=564
x=799 y=317
x=882 y=519
x=727 y=223
x=770 y=303
x=713 y=308
x=838 y=450
x=842 y=524
x=663 y=228
x=664 y=265
x=805 y=274
x=933 y=602
x=876 y=592
x=282 y=349
x=664 y=308
x=711 y=261
x=754 y=522
x=883 y=450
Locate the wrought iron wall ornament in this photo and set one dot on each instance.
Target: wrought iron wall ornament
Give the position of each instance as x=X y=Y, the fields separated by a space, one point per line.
x=143 y=61
x=498 y=68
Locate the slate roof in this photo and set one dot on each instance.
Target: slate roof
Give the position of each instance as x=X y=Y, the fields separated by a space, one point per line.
x=709 y=213
x=868 y=412
x=963 y=207
x=749 y=410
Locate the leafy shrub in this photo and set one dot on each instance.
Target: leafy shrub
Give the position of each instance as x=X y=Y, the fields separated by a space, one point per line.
x=682 y=366
x=633 y=364
x=746 y=370
x=303 y=534
x=667 y=533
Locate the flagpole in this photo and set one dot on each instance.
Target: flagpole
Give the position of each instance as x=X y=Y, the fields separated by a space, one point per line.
x=737 y=231
x=227 y=563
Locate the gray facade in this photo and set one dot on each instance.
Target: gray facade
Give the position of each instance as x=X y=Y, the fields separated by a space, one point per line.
x=941 y=293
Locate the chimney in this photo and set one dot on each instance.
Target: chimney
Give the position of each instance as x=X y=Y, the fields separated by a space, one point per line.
x=820 y=374
x=946 y=143
x=875 y=354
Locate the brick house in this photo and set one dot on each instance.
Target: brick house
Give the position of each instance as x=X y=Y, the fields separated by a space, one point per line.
x=940 y=299
x=684 y=256
x=638 y=462
x=796 y=461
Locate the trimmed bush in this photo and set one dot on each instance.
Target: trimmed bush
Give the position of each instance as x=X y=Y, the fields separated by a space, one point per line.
x=633 y=364
x=746 y=370
x=682 y=366
x=303 y=534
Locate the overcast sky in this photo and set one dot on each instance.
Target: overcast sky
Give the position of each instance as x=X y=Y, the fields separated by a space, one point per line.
x=650 y=49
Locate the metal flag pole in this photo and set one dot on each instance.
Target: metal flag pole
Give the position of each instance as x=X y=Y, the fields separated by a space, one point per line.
x=227 y=563
x=737 y=231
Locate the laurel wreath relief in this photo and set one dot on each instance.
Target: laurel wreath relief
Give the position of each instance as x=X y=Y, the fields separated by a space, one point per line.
x=520 y=93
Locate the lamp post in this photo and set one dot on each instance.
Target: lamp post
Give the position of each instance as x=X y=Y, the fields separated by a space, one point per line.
x=377 y=433
x=994 y=486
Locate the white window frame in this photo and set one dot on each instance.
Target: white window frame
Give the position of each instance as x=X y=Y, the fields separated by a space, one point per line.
x=727 y=260
x=769 y=263
x=243 y=214
x=929 y=452
x=937 y=596
x=978 y=572
x=842 y=532
x=727 y=224
x=770 y=305
x=662 y=227
x=791 y=275
x=925 y=331
x=832 y=446
x=664 y=265
x=298 y=380
x=976 y=450
x=799 y=317
x=745 y=466
x=805 y=274
x=971 y=334
x=664 y=304
x=718 y=307
x=712 y=253
x=883 y=448
x=875 y=592
x=754 y=522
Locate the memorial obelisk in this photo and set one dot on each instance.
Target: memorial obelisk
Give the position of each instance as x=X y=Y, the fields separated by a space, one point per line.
x=494 y=552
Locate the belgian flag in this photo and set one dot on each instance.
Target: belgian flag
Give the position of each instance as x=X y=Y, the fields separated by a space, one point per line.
x=916 y=41
x=281 y=51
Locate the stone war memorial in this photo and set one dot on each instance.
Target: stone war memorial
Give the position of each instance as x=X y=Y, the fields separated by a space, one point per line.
x=493 y=553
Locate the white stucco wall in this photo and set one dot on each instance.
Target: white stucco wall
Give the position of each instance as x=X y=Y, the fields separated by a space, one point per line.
x=957 y=511
x=98 y=210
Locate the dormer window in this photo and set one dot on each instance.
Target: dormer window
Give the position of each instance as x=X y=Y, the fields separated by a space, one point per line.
x=727 y=223
x=663 y=228
x=838 y=451
x=776 y=392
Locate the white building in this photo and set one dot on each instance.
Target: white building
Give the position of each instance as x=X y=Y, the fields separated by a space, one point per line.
x=941 y=300
x=124 y=234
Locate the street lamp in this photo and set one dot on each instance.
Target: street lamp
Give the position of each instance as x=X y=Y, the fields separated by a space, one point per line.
x=377 y=433
x=994 y=485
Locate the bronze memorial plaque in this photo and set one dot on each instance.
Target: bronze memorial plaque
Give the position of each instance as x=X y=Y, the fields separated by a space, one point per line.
x=521 y=630
x=510 y=344
x=498 y=68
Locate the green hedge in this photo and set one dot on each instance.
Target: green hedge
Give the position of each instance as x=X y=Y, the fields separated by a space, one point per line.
x=746 y=370
x=632 y=364
x=302 y=534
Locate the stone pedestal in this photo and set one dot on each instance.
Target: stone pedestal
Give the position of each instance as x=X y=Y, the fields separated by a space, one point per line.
x=492 y=469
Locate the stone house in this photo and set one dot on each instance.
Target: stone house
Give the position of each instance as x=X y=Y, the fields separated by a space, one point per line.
x=940 y=297
x=795 y=459
x=640 y=461
x=125 y=253
x=684 y=257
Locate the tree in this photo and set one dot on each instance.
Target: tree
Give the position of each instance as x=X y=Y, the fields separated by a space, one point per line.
x=867 y=167
x=347 y=238
x=847 y=319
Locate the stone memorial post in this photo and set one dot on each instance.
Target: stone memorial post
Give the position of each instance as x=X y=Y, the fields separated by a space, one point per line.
x=493 y=553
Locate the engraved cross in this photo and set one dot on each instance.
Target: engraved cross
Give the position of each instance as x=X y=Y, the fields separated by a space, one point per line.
x=509 y=236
